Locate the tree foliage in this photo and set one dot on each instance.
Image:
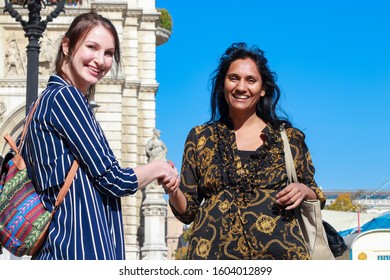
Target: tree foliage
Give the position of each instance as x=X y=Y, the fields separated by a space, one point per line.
x=344 y=203
x=165 y=19
x=181 y=251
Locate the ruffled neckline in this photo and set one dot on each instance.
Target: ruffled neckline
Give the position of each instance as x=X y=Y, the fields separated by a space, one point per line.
x=232 y=170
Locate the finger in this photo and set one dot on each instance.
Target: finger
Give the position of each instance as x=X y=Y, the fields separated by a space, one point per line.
x=293 y=202
x=285 y=199
x=167 y=187
x=293 y=206
x=284 y=191
x=167 y=179
x=171 y=189
x=174 y=184
x=174 y=181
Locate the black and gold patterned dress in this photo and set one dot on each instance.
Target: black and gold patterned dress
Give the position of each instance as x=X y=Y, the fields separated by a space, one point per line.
x=231 y=195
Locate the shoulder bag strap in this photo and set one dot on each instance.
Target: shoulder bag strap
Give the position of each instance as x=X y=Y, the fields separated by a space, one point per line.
x=290 y=167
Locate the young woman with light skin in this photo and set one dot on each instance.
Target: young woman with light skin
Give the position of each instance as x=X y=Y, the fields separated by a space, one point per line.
x=88 y=224
x=91 y=61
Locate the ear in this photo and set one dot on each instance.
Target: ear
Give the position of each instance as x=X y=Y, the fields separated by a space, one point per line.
x=65 y=46
x=262 y=93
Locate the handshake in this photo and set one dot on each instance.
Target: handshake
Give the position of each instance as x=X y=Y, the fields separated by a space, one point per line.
x=171 y=181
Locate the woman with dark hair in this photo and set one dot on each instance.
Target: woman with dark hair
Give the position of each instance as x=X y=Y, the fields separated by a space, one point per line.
x=234 y=188
x=88 y=223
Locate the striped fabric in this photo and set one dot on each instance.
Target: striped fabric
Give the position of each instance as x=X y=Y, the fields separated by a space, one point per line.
x=22 y=216
x=88 y=224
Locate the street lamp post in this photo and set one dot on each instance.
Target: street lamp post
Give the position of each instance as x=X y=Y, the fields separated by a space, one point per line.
x=33 y=29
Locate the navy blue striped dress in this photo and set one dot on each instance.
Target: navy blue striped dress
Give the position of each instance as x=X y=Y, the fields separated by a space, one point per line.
x=88 y=225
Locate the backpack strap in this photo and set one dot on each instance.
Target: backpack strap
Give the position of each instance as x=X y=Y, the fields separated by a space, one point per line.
x=19 y=162
x=27 y=122
x=64 y=189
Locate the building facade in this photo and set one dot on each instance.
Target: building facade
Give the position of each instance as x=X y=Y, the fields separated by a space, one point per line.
x=126 y=101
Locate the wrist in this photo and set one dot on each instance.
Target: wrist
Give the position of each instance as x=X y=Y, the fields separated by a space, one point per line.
x=310 y=194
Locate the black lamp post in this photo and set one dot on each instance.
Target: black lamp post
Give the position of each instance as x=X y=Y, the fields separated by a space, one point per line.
x=33 y=29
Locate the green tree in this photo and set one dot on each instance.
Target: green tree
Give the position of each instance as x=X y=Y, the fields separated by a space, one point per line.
x=343 y=203
x=181 y=252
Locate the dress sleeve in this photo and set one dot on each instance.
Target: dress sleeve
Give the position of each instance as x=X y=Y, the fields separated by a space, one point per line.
x=303 y=162
x=73 y=119
x=189 y=180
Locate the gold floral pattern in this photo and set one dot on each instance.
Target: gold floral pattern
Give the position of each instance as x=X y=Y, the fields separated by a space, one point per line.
x=224 y=206
x=231 y=195
x=266 y=224
x=203 y=247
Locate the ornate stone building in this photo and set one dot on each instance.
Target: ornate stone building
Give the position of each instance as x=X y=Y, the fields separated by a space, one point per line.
x=126 y=101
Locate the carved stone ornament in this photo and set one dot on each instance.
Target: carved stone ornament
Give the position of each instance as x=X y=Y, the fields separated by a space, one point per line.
x=3 y=109
x=15 y=56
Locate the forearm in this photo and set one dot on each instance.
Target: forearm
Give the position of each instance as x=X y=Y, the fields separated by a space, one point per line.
x=178 y=201
x=154 y=170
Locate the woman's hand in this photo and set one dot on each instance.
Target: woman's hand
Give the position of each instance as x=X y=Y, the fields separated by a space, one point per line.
x=171 y=182
x=292 y=195
x=171 y=185
x=164 y=172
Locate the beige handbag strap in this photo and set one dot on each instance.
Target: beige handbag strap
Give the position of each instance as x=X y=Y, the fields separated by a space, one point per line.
x=308 y=213
x=290 y=167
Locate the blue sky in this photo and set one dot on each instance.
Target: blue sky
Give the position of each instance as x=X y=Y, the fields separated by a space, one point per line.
x=332 y=59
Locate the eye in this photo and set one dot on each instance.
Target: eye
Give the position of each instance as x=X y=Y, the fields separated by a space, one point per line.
x=252 y=81
x=233 y=78
x=109 y=53
x=92 y=47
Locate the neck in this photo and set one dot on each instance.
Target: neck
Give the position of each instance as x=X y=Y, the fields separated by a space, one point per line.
x=245 y=121
x=66 y=75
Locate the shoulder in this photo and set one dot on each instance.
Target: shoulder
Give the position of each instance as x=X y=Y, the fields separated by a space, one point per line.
x=295 y=133
x=201 y=129
x=200 y=135
x=58 y=87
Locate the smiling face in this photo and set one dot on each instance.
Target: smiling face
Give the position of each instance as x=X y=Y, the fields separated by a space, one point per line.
x=243 y=87
x=91 y=59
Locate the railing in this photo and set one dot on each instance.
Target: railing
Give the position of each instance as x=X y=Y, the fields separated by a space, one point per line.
x=48 y=2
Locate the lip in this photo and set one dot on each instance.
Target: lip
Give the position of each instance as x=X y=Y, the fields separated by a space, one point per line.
x=240 y=96
x=95 y=71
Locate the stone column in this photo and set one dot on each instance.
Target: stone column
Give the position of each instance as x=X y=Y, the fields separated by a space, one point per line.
x=154 y=207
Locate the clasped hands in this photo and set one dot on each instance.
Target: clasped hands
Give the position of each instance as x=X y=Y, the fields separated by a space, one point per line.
x=171 y=181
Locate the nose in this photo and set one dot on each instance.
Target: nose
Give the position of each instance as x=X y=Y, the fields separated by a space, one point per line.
x=100 y=59
x=241 y=85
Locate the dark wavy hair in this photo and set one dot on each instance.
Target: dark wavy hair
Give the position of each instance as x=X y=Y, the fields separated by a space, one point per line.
x=77 y=31
x=266 y=107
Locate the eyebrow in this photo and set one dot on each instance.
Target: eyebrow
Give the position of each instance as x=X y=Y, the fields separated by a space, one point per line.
x=94 y=42
x=248 y=76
